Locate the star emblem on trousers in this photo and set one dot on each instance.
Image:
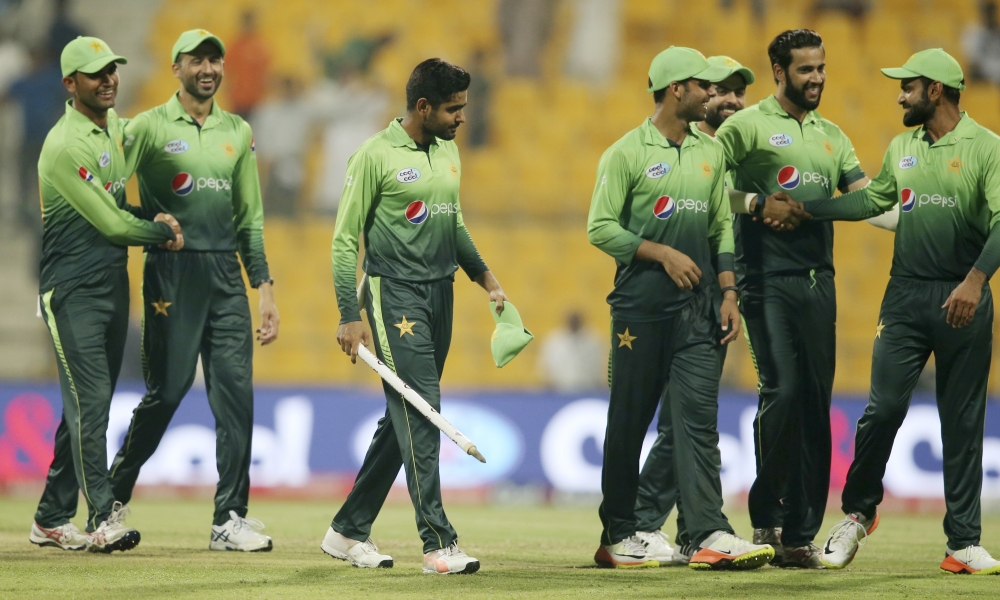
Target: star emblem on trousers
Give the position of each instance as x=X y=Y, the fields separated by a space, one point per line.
x=626 y=339
x=161 y=307
x=878 y=329
x=405 y=327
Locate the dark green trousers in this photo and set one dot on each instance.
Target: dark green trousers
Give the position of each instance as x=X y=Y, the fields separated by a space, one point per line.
x=676 y=359
x=912 y=326
x=791 y=326
x=195 y=303
x=411 y=324
x=88 y=320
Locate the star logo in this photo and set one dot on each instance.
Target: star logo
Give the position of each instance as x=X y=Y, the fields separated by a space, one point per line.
x=454 y=170
x=405 y=327
x=878 y=329
x=706 y=169
x=97 y=46
x=230 y=150
x=626 y=339
x=203 y=32
x=496 y=334
x=955 y=165
x=828 y=146
x=161 y=307
x=730 y=62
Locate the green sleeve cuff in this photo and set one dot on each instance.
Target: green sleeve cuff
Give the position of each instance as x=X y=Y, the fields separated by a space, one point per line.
x=850 y=177
x=725 y=261
x=989 y=258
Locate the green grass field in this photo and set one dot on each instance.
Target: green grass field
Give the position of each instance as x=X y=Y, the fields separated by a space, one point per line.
x=544 y=552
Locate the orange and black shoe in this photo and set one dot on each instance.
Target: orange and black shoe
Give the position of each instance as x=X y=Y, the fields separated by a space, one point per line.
x=973 y=560
x=727 y=551
x=629 y=553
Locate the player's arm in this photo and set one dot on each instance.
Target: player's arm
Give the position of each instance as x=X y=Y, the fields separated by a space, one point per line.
x=605 y=231
x=248 y=217
x=862 y=203
x=361 y=186
x=720 y=239
x=99 y=207
x=472 y=263
x=137 y=138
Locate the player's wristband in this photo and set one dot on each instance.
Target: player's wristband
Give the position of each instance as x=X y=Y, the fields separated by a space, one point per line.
x=730 y=288
x=758 y=210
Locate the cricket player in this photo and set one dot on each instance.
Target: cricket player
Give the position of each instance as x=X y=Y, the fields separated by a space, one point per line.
x=84 y=294
x=660 y=209
x=197 y=161
x=787 y=292
x=945 y=177
x=401 y=192
x=657 y=482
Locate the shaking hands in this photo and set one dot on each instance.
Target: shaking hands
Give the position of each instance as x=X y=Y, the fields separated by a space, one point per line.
x=178 y=241
x=781 y=213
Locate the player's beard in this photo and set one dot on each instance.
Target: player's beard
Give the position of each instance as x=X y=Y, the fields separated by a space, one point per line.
x=691 y=107
x=192 y=88
x=714 y=117
x=798 y=96
x=920 y=112
x=436 y=128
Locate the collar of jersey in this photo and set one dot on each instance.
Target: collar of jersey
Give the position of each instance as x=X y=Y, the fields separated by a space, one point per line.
x=81 y=122
x=399 y=138
x=175 y=111
x=771 y=106
x=966 y=128
x=652 y=136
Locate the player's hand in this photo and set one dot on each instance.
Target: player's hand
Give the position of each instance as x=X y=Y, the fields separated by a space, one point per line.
x=731 y=321
x=781 y=213
x=681 y=268
x=178 y=241
x=269 y=318
x=492 y=287
x=964 y=299
x=350 y=336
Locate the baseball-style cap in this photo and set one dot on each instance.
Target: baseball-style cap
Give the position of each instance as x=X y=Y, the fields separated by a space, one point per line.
x=193 y=38
x=731 y=66
x=510 y=336
x=87 y=55
x=933 y=63
x=677 y=63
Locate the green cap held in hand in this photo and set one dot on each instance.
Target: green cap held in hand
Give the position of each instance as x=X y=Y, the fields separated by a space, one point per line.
x=934 y=64
x=193 y=38
x=510 y=336
x=87 y=55
x=677 y=64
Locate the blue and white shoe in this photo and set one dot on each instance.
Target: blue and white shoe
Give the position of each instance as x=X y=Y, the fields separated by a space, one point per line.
x=240 y=533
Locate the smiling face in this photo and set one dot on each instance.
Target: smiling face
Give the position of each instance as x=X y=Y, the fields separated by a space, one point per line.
x=805 y=77
x=693 y=102
x=729 y=99
x=96 y=91
x=200 y=70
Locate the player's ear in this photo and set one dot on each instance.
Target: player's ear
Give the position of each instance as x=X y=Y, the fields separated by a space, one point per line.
x=424 y=107
x=176 y=68
x=69 y=82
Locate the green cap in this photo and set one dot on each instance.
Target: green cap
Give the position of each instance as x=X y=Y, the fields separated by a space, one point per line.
x=87 y=55
x=933 y=63
x=677 y=64
x=193 y=38
x=731 y=66
x=510 y=336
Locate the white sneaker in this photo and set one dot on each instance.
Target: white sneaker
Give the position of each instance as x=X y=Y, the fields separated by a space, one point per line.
x=450 y=561
x=723 y=550
x=629 y=553
x=802 y=557
x=240 y=533
x=683 y=554
x=845 y=539
x=360 y=554
x=113 y=534
x=659 y=549
x=974 y=560
x=67 y=537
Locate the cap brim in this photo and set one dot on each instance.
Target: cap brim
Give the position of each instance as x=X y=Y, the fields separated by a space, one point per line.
x=747 y=74
x=96 y=65
x=714 y=73
x=210 y=38
x=899 y=73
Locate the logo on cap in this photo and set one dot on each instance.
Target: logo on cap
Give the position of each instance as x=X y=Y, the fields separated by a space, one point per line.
x=182 y=184
x=417 y=212
x=907 y=199
x=788 y=178
x=86 y=175
x=907 y=162
x=780 y=140
x=176 y=147
x=408 y=176
x=658 y=170
x=664 y=207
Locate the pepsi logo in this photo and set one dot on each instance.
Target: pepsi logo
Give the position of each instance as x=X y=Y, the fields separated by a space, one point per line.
x=107 y=187
x=104 y=160
x=408 y=176
x=182 y=184
x=907 y=162
x=907 y=199
x=780 y=140
x=788 y=178
x=417 y=212
x=658 y=170
x=664 y=207
x=176 y=147
x=86 y=175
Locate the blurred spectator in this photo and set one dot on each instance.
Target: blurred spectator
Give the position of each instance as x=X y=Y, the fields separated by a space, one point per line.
x=981 y=44
x=281 y=127
x=247 y=62
x=758 y=8
x=63 y=29
x=595 y=40
x=575 y=358
x=525 y=27
x=855 y=9
x=480 y=106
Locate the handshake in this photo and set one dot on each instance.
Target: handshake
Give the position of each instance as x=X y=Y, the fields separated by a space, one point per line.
x=780 y=212
x=178 y=241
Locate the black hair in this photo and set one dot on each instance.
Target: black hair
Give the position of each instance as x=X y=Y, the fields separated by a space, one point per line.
x=952 y=95
x=658 y=95
x=780 y=48
x=436 y=81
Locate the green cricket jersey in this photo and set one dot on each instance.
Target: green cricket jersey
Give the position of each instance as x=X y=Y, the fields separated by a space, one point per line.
x=771 y=151
x=205 y=176
x=648 y=188
x=86 y=220
x=949 y=197
x=405 y=201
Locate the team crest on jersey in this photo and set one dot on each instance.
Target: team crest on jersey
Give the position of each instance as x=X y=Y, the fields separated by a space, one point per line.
x=253 y=144
x=408 y=175
x=780 y=140
x=664 y=207
x=86 y=175
x=658 y=170
x=907 y=199
x=176 y=147
x=417 y=212
x=182 y=184
x=907 y=162
x=788 y=178
x=104 y=160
